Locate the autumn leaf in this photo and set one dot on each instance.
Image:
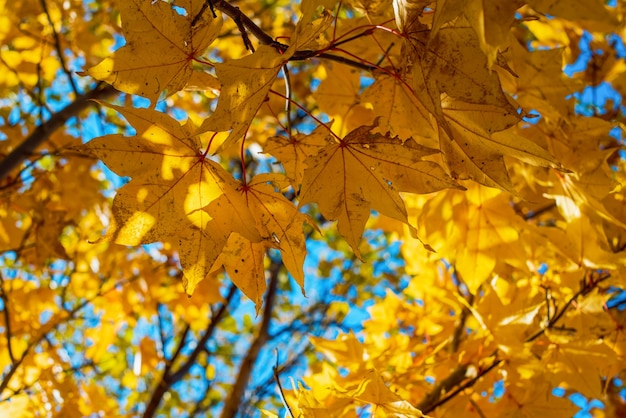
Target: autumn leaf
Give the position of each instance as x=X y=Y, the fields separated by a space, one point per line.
x=337 y=91
x=492 y=21
x=532 y=87
x=480 y=140
x=244 y=263
x=310 y=7
x=589 y=12
x=578 y=365
x=490 y=232
x=529 y=401
x=176 y=194
x=367 y=171
x=343 y=349
x=372 y=389
x=401 y=113
x=159 y=52
x=245 y=85
x=280 y=224
x=246 y=82
x=452 y=63
x=293 y=152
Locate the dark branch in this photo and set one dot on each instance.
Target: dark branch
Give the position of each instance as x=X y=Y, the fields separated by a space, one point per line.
x=245 y=370
x=245 y=23
x=169 y=378
x=43 y=131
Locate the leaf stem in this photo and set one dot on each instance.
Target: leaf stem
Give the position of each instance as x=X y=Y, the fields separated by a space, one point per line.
x=308 y=113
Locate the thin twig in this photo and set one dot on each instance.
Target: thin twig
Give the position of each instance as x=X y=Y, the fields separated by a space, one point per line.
x=280 y=387
x=7 y=318
x=57 y=45
x=207 y=3
x=288 y=101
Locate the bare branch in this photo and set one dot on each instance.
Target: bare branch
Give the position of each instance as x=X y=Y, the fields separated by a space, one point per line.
x=168 y=378
x=245 y=370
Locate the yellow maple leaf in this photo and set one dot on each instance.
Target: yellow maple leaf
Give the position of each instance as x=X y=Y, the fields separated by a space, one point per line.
x=177 y=194
x=339 y=89
x=452 y=63
x=293 y=152
x=367 y=171
x=371 y=388
x=492 y=21
x=345 y=349
x=161 y=45
x=478 y=138
x=593 y=14
x=245 y=85
x=247 y=81
x=578 y=365
x=523 y=400
x=280 y=224
x=20 y=406
x=539 y=82
x=400 y=111
x=244 y=263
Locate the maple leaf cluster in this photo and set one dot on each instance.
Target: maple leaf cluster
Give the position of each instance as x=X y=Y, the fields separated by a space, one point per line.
x=447 y=125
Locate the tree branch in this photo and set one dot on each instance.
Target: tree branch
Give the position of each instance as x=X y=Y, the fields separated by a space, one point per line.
x=434 y=399
x=43 y=131
x=168 y=379
x=245 y=23
x=7 y=319
x=459 y=329
x=57 y=46
x=245 y=370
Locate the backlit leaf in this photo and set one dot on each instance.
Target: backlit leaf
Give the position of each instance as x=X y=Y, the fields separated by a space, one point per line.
x=176 y=194
x=159 y=51
x=367 y=171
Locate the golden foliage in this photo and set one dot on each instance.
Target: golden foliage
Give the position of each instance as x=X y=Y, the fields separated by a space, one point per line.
x=452 y=121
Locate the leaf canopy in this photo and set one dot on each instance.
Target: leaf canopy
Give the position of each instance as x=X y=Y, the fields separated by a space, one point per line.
x=408 y=207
